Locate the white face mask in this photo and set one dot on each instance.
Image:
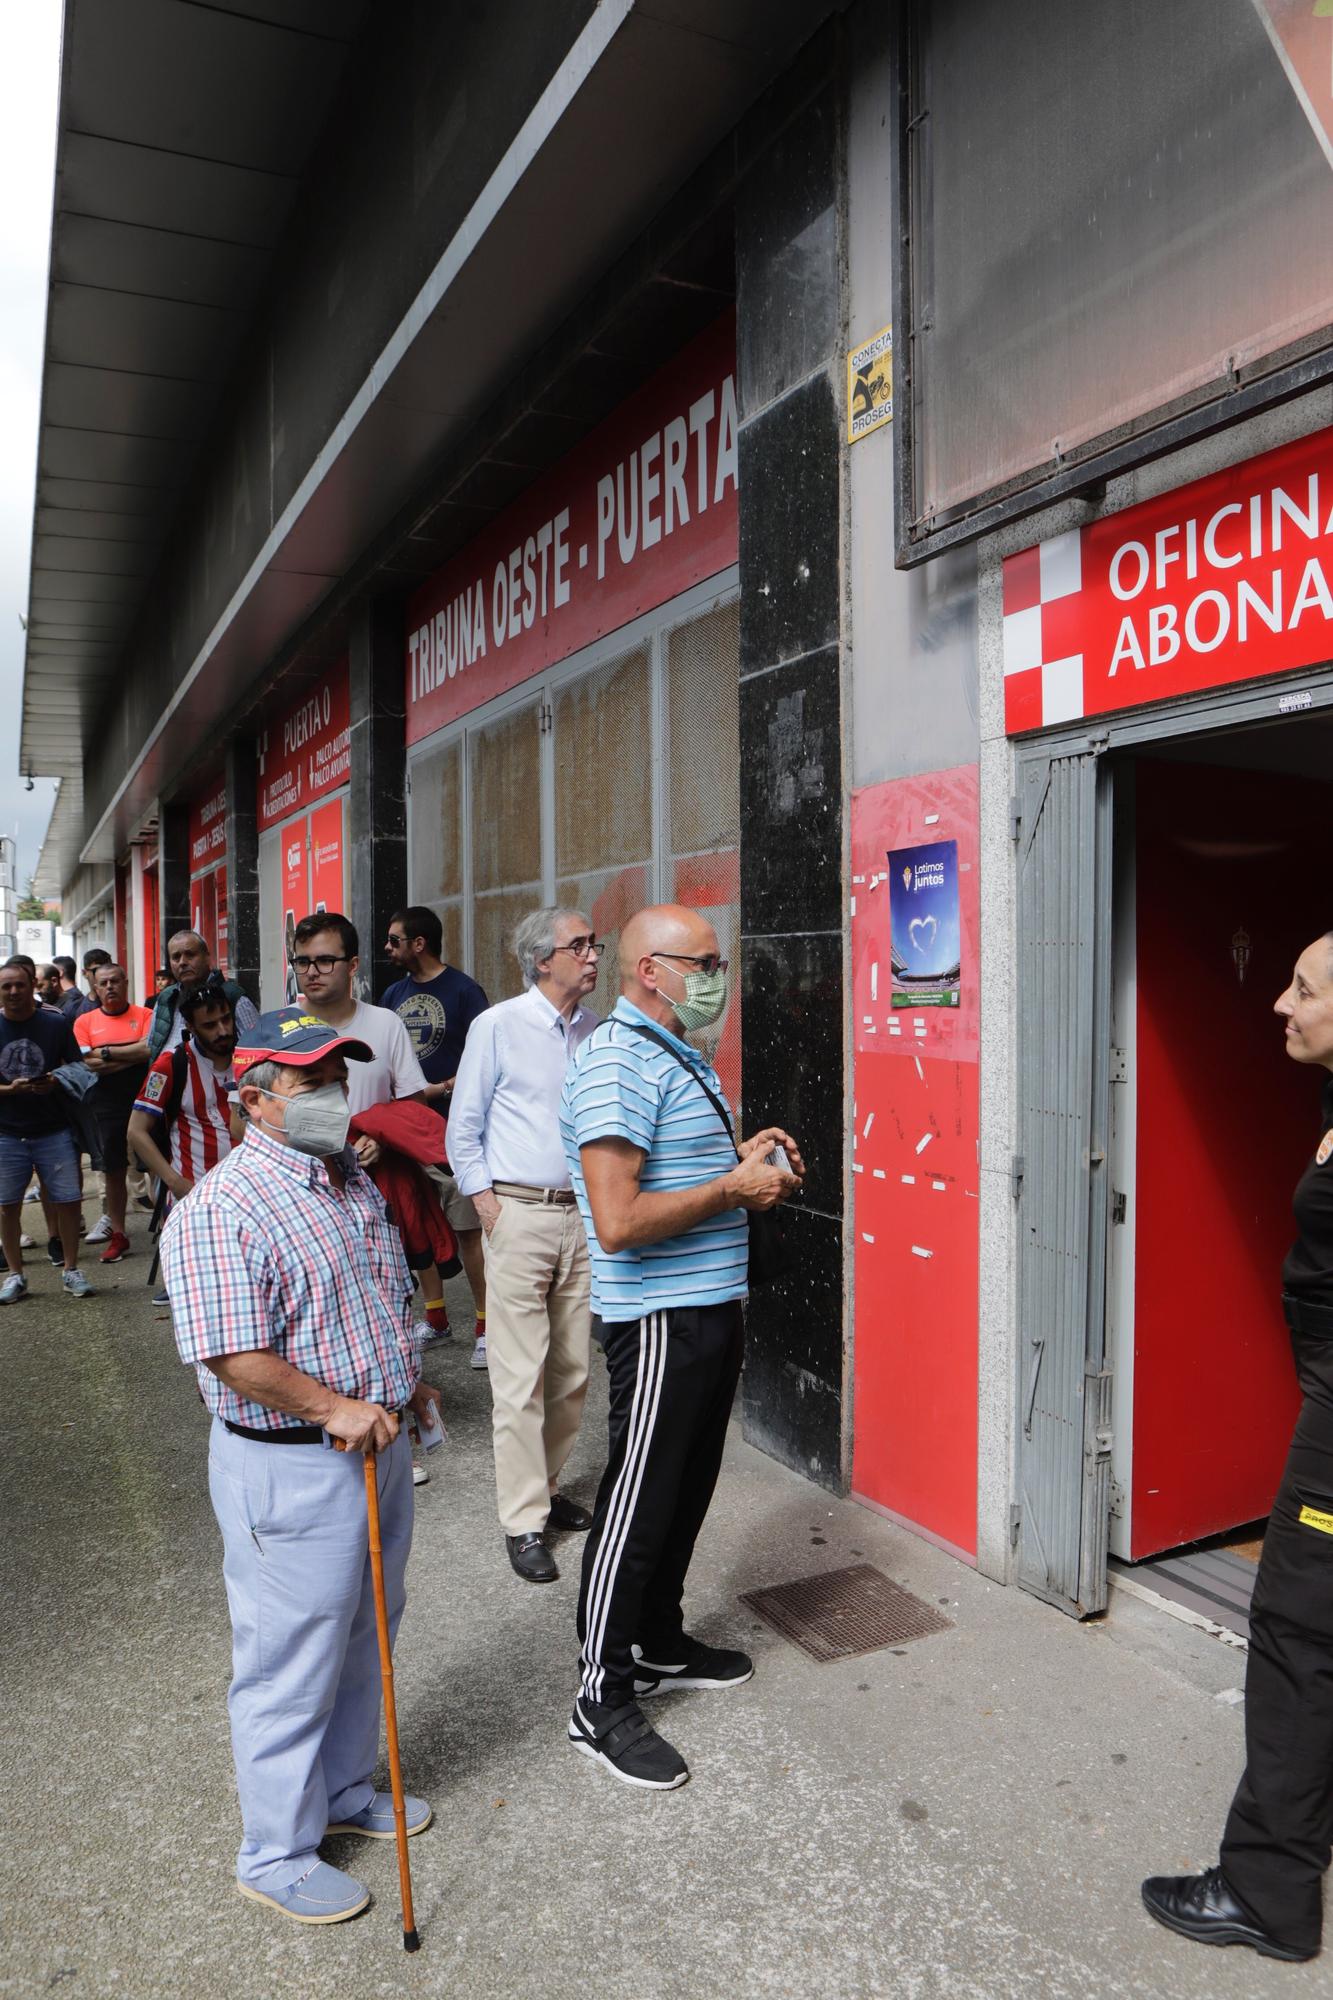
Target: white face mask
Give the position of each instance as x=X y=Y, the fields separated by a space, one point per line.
x=317 y=1120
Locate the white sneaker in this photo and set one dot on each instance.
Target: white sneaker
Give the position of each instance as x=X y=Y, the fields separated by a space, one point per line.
x=101 y=1231
x=76 y=1284
x=479 y=1353
x=420 y=1476
x=26 y=1243
x=33 y=1194
x=14 y=1288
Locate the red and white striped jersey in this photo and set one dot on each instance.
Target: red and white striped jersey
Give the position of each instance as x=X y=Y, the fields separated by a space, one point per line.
x=201 y=1129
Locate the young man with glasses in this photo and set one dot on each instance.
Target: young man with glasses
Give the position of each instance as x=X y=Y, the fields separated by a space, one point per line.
x=437 y=1004
x=505 y=1148
x=325 y=958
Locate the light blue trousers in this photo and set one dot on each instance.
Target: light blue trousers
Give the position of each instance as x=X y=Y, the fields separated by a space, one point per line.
x=305 y=1688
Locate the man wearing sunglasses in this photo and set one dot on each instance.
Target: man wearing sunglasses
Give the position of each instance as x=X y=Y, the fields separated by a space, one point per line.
x=663 y=1192
x=505 y=1148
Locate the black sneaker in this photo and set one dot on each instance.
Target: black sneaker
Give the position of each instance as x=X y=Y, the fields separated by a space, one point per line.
x=625 y=1743
x=55 y=1255
x=699 y=1667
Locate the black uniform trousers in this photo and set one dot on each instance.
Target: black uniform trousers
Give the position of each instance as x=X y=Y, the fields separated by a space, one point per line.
x=673 y=1377
x=1280 y=1829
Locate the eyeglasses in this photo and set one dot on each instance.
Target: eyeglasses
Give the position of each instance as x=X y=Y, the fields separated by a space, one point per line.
x=324 y=963
x=583 y=947
x=392 y=942
x=707 y=961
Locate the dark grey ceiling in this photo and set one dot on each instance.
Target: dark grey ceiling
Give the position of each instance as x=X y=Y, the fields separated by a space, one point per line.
x=185 y=130
x=184 y=133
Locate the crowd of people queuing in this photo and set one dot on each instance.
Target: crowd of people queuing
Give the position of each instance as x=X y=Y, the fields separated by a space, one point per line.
x=325 y=1163
x=319 y=1168
x=72 y=1063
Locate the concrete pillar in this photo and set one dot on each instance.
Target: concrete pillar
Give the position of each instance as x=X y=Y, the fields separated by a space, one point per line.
x=242 y=779
x=377 y=803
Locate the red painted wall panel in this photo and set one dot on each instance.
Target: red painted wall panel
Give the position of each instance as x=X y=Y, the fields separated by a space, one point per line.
x=915 y=1182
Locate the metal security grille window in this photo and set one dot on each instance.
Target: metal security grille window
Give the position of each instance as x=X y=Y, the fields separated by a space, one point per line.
x=610 y=783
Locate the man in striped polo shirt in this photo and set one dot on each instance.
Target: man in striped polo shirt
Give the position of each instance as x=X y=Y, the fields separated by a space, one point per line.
x=663 y=1191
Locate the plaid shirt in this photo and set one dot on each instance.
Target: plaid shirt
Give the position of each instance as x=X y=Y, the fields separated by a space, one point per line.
x=266 y=1253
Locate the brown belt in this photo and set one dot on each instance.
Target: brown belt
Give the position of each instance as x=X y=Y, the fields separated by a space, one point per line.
x=517 y=1191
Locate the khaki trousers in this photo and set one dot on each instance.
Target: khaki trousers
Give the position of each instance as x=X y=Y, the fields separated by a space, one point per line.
x=537 y=1335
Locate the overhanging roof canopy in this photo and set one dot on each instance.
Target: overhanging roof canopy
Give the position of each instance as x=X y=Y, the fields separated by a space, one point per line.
x=647 y=91
x=184 y=132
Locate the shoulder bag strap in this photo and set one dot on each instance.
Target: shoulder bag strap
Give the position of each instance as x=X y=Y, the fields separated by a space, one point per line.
x=639 y=1028
x=180 y=1065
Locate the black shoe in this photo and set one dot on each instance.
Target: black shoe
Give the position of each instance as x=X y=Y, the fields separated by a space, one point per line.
x=694 y=1666
x=531 y=1558
x=55 y=1255
x=568 y=1514
x=626 y=1744
x=1202 y=1907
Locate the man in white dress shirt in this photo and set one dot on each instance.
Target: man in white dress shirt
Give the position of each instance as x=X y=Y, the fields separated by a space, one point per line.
x=505 y=1152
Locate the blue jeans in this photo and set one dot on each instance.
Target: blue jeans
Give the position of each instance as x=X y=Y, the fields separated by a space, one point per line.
x=305 y=1686
x=49 y=1155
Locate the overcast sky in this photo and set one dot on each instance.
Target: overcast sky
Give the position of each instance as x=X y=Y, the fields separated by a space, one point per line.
x=29 y=85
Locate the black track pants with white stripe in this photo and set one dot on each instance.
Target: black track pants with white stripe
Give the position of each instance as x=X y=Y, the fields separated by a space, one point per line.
x=673 y=1377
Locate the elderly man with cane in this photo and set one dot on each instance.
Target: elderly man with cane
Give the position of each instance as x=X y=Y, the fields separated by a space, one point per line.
x=290 y=1296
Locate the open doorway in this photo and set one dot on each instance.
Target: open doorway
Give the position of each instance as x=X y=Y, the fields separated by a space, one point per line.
x=1217 y=890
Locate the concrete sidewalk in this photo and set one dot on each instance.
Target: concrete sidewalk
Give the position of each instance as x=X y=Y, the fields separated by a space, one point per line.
x=966 y=1818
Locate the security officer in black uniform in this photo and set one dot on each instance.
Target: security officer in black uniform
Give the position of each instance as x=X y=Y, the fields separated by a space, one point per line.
x=1267 y=1892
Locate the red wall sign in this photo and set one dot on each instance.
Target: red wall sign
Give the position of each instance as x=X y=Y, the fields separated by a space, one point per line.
x=643 y=508
x=326 y=857
x=306 y=753
x=208 y=827
x=1220 y=581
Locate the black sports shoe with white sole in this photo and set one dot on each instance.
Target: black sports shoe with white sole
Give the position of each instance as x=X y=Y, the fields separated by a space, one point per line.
x=625 y=1743
x=699 y=1667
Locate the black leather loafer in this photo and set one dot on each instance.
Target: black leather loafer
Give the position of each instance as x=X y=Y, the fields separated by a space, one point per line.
x=568 y=1514
x=531 y=1558
x=1202 y=1907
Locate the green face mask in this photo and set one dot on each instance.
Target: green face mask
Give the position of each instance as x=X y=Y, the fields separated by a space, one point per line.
x=705 y=997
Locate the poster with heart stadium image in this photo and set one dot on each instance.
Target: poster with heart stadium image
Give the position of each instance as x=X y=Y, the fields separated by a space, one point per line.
x=923 y=925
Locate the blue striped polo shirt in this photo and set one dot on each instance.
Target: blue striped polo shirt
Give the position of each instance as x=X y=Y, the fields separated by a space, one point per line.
x=621 y=1085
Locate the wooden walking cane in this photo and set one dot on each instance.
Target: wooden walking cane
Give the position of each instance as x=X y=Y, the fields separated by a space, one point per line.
x=411 y=1942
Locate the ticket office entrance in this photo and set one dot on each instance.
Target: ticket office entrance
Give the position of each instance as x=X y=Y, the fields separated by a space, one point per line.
x=1156 y=1394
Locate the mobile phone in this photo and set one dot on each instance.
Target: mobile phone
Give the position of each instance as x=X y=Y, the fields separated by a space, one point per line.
x=430 y=1428
x=778 y=1158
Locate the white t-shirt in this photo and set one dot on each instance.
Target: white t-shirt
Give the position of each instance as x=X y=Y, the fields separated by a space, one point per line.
x=394 y=1072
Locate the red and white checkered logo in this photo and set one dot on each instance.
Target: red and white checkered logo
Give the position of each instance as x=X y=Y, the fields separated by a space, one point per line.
x=1043 y=678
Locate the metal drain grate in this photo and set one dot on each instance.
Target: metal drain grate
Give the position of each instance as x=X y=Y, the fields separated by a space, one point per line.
x=843 y=1612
